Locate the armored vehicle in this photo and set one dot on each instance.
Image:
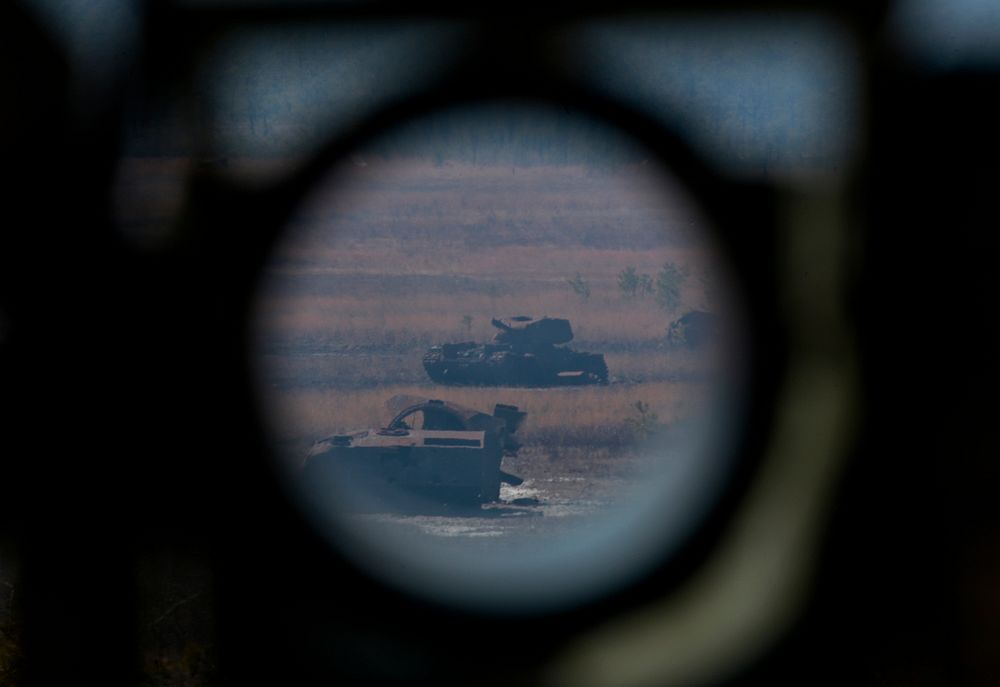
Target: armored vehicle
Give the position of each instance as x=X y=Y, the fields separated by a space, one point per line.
x=431 y=450
x=525 y=351
x=694 y=329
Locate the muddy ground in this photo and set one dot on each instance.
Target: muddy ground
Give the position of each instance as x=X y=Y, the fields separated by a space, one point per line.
x=554 y=497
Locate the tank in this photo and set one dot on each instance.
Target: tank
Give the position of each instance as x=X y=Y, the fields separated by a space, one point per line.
x=431 y=452
x=695 y=329
x=525 y=351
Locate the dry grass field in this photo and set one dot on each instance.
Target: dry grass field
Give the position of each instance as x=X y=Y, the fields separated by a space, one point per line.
x=402 y=254
x=393 y=258
x=578 y=417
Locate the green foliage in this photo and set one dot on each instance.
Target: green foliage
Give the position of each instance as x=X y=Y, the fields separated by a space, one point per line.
x=634 y=284
x=668 y=285
x=644 y=423
x=580 y=286
x=628 y=281
x=645 y=284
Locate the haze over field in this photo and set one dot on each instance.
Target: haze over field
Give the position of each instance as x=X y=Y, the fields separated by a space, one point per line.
x=400 y=253
x=396 y=255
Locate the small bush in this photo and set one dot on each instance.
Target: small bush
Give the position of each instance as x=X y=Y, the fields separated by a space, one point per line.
x=668 y=285
x=644 y=423
x=628 y=281
x=580 y=286
x=645 y=284
x=634 y=284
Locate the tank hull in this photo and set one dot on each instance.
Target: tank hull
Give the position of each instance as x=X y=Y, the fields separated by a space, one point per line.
x=471 y=364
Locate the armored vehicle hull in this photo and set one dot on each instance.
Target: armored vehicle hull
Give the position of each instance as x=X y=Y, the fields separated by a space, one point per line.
x=695 y=329
x=432 y=451
x=523 y=353
x=466 y=364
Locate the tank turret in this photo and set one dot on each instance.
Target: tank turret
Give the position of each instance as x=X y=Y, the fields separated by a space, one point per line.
x=529 y=331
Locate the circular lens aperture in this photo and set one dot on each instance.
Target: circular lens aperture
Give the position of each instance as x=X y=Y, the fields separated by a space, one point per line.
x=501 y=358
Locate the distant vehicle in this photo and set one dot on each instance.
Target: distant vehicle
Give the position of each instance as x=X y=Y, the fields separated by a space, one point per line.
x=432 y=450
x=694 y=329
x=526 y=351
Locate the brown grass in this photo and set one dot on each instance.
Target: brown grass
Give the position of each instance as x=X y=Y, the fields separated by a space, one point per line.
x=389 y=262
x=358 y=318
x=405 y=251
x=352 y=368
x=574 y=416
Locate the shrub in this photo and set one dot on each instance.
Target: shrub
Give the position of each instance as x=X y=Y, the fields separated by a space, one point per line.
x=580 y=286
x=643 y=423
x=634 y=284
x=628 y=281
x=668 y=285
x=645 y=284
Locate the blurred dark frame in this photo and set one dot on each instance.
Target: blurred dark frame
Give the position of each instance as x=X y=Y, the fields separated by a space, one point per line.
x=131 y=420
